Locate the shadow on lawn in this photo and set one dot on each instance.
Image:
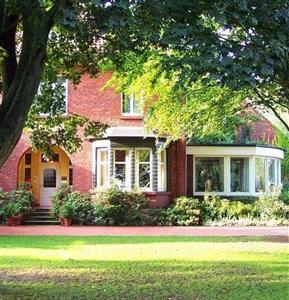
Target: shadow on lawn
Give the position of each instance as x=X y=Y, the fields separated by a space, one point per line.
x=56 y=242
x=167 y=279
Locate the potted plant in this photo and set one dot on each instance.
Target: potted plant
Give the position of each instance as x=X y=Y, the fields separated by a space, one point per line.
x=67 y=212
x=12 y=211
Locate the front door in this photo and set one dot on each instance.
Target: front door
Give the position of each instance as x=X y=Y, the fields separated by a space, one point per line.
x=49 y=184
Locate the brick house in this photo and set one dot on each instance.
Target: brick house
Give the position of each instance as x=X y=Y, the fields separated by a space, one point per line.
x=130 y=156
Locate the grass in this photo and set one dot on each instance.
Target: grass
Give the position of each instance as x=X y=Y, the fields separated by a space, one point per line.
x=56 y=267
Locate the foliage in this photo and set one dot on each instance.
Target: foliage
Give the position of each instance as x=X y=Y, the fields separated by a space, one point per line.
x=82 y=207
x=269 y=206
x=183 y=212
x=57 y=198
x=283 y=142
x=116 y=207
x=16 y=202
x=67 y=210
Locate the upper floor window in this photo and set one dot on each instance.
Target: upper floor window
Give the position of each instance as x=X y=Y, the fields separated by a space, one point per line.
x=130 y=106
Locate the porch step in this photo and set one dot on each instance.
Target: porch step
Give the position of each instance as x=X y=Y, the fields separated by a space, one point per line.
x=40 y=216
x=40 y=222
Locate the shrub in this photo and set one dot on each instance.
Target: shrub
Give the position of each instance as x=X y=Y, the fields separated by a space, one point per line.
x=67 y=210
x=270 y=206
x=57 y=199
x=184 y=212
x=16 y=202
x=113 y=206
x=82 y=205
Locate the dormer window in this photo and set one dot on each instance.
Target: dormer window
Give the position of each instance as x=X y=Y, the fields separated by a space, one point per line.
x=130 y=106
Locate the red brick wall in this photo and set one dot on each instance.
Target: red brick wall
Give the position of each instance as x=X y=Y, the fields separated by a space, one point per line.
x=104 y=105
x=189 y=175
x=259 y=131
x=8 y=173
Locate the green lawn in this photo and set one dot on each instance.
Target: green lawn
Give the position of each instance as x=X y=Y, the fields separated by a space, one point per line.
x=143 y=268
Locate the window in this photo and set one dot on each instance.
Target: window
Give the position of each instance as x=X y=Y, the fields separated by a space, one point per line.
x=143 y=168
x=130 y=106
x=55 y=158
x=49 y=178
x=239 y=174
x=162 y=171
x=70 y=176
x=260 y=174
x=121 y=167
x=102 y=167
x=27 y=175
x=28 y=159
x=209 y=174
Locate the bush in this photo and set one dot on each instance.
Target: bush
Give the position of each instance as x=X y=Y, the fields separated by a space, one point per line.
x=67 y=210
x=113 y=206
x=82 y=206
x=16 y=202
x=57 y=199
x=216 y=208
x=183 y=212
x=270 y=206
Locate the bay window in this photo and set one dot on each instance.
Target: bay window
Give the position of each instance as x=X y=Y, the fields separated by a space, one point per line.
x=162 y=171
x=102 y=168
x=143 y=174
x=260 y=174
x=121 y=167
x=239 y=174
x=209 y=174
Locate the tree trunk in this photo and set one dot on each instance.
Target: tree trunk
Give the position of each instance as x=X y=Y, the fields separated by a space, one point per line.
x=19 y=97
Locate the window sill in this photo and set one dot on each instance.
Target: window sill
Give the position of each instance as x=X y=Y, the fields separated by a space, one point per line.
x=131 y=117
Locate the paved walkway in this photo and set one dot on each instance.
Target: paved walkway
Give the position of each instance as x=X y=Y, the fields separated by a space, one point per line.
x=145 y=231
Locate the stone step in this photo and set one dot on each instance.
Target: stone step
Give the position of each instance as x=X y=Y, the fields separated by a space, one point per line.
x=41 y=222
x=39 y=217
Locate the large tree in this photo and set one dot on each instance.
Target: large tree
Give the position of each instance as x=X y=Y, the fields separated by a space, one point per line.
x=239 y=44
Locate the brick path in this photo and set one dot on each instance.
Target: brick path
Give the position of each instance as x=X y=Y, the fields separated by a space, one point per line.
x=145 y=231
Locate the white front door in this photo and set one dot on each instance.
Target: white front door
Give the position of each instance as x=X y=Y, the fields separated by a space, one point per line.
x=49 y=183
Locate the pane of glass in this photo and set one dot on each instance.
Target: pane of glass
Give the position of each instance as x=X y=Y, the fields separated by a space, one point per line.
x=209 y=174
x=120 y=174
x=120 y=155
x=49 y=178
x=70 y=176
x=239 y=174
x=143 y=155
x=28 y=159
x=103 y=175
x=272 y=178
x=162 y=174
x=144 y=175
x=27 y=175
x=103 y=155
x=260 y=174
x=125 y=104
x=136 y=105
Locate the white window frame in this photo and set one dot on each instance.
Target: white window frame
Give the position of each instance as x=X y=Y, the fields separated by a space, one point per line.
x=165 y=171
x=102 y=163
x=131 y=105
x=127 y=164
x=194 y=176
x=137 y=163
x=229 y=175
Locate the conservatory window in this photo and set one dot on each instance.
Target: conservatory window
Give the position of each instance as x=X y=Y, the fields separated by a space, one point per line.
x=162 y=171
x=121 y=167
x=260 y=174
x=102 y=167
x=239 y=174
x=130 y=106
x=143 y=169
x=209 y=174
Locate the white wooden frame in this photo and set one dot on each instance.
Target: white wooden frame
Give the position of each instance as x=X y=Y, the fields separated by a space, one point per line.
x=127 y=164
x=131 y=105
